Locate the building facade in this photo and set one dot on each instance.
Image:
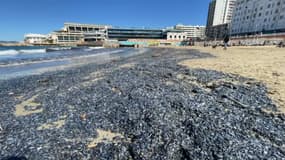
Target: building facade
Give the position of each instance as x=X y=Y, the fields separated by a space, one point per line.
x=177 y=36
x=218 y=32
x=252 y=17
x=135 y=33
x=219 y=14
x=193 y=32
x=211 y=13
x=35 y=38
x=80 y=33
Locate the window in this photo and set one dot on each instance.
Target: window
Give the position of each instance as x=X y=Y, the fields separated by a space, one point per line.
x=276 y=11
x=71 y=28
x=60 y=38
x=274 y=18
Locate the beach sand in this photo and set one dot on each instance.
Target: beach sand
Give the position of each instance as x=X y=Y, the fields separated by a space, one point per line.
x=265 y=64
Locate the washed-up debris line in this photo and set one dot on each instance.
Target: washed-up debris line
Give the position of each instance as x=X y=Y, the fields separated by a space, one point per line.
x=143 y=107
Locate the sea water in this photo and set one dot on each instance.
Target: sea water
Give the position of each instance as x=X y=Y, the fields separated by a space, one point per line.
x=22 y=61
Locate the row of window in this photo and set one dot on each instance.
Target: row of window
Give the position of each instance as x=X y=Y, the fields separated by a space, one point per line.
x=175 y=37
x=276 y=11
x=68 y=38
x=254 y=29
x=270 y=5
x=35 y=38
x=85 y=29
x=252 y=18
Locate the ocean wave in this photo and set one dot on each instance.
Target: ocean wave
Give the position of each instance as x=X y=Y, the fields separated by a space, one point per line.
x=93 y=48
x=16 y=52
x=8 y=52
x=58 y=49
x=33 y=51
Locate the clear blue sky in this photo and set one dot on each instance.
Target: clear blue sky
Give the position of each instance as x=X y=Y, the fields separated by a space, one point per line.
x=18 y=17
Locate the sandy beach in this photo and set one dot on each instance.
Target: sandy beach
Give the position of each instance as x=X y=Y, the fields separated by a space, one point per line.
x=265 y=64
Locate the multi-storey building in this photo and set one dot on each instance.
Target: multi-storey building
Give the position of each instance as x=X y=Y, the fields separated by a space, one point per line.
x=219 y=14
x=75 y=33
x=35 y=38
x=258 y=16
x=193 y=32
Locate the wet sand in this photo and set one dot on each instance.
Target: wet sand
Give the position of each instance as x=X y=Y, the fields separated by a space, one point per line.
x=266 y=64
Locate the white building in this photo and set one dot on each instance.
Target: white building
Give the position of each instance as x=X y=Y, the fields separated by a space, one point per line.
x=220 y=12
x=80 y=33
x=258 y=16
x=176 y=35
x=35 y=38
x=193 y=32
x=219 y=15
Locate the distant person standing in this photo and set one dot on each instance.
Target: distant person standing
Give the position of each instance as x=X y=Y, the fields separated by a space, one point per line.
x=226 y=41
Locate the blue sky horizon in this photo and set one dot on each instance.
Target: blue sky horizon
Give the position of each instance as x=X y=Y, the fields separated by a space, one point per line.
x=44 y=16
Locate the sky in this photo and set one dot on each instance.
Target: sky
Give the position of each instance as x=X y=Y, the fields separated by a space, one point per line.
x=18 y=17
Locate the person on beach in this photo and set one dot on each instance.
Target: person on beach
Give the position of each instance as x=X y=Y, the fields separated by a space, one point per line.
x=226 y=41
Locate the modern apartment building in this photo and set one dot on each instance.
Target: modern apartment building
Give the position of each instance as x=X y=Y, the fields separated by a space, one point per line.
x=193 y=32
x=252 y=17
x=219 y=14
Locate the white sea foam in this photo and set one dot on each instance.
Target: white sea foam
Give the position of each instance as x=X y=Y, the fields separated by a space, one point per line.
x=32 y=51
x=58 y=49
x=15 y=52
x=8 y=52
x=93 y=48
x=96 y=47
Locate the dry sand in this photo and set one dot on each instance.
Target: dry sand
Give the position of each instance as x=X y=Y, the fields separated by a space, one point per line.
x=21 y=108
x=265 y=64
x=104 y=137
